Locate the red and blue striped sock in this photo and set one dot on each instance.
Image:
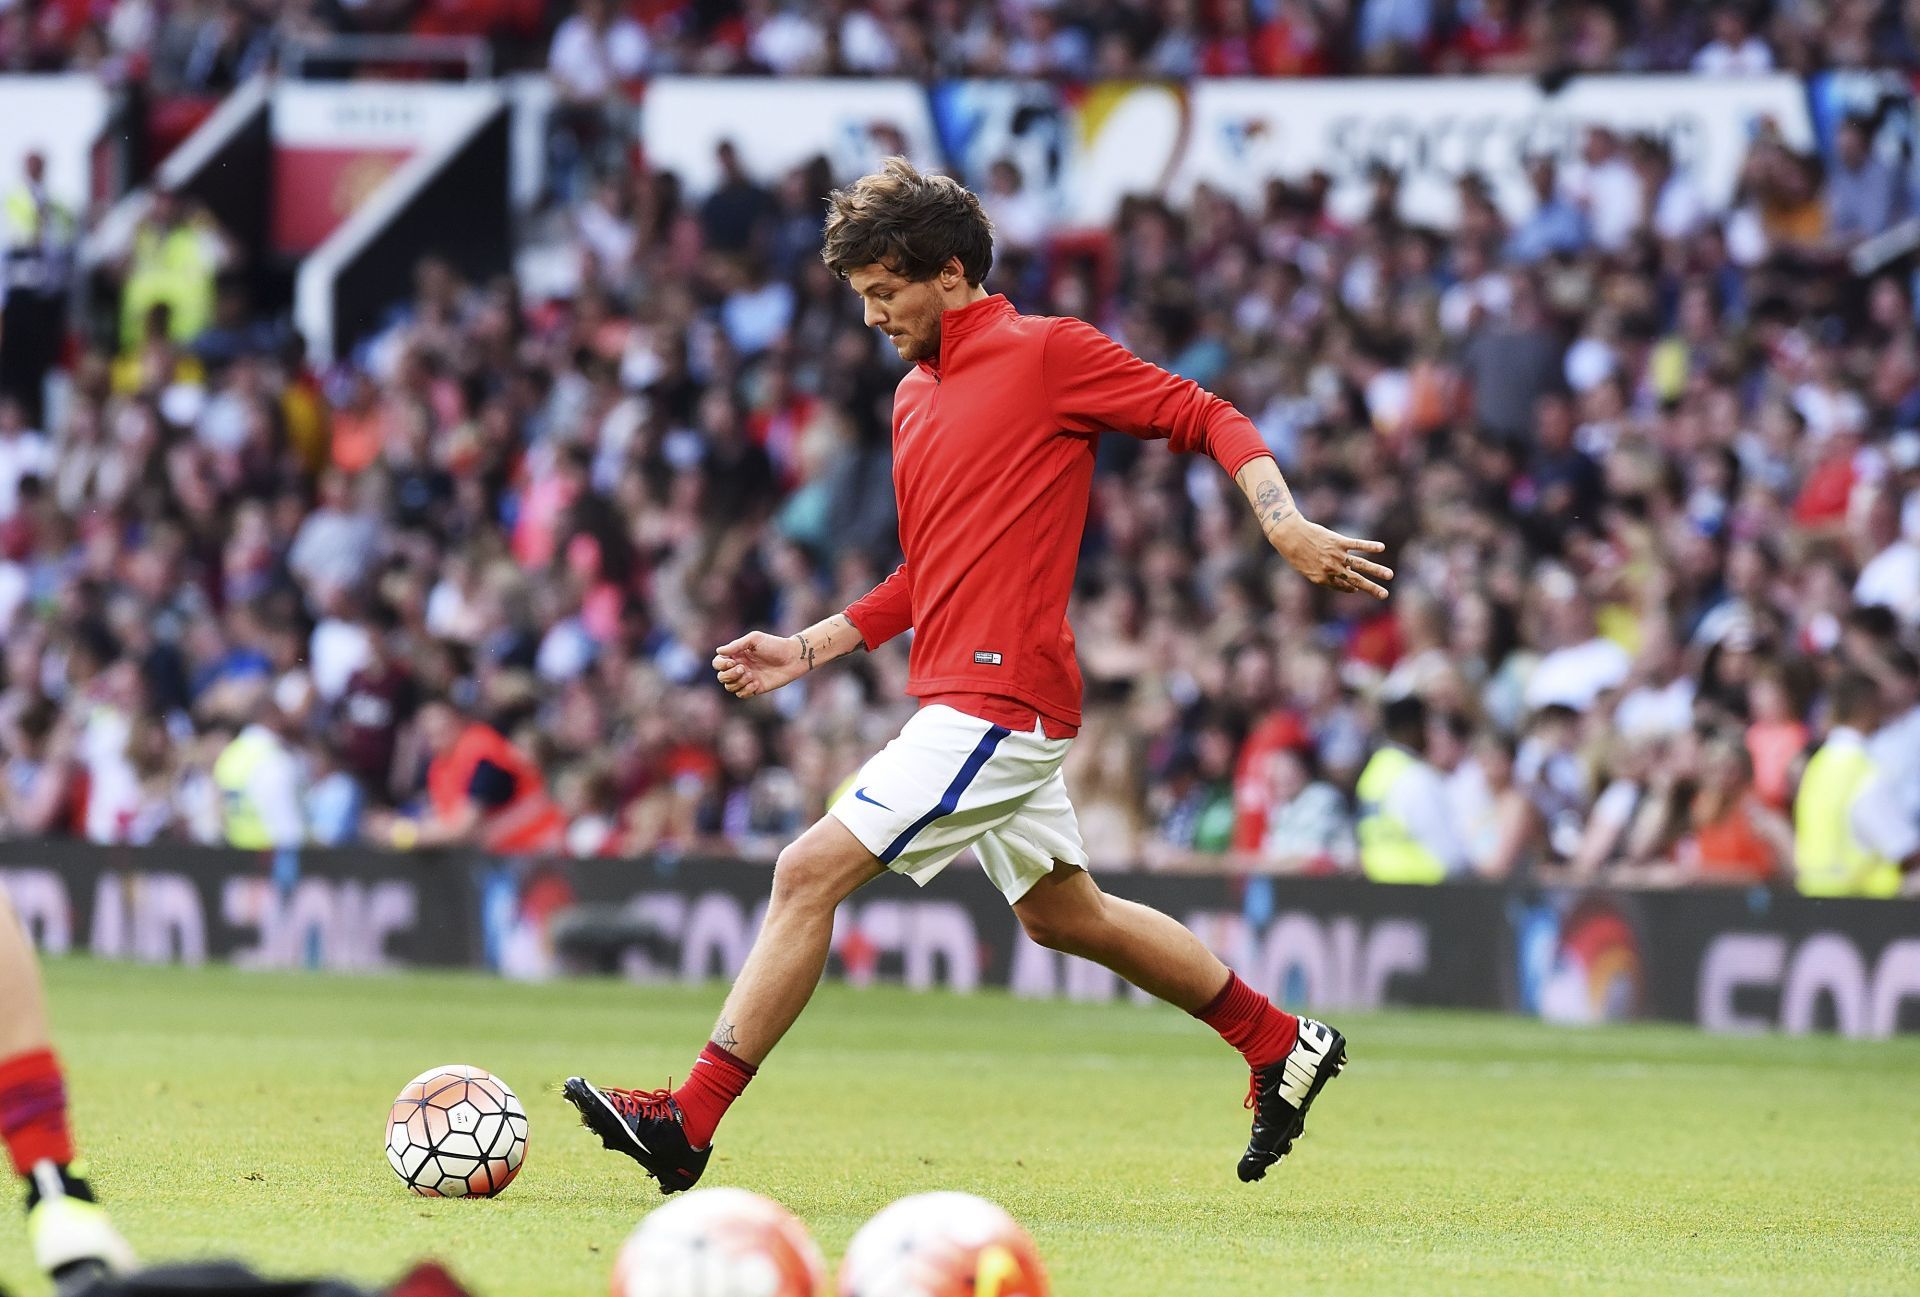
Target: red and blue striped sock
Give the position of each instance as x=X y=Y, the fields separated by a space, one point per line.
x=33 y=1110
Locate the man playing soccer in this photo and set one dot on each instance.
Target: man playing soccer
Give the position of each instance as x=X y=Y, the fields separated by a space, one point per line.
x=71 y=1236
x=994 y=433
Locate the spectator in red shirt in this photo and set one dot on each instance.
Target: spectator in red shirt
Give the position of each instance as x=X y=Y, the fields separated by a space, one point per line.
x=1735 y=837
x=482 y=791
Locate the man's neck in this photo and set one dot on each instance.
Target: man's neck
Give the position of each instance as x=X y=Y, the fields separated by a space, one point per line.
x=964 y=295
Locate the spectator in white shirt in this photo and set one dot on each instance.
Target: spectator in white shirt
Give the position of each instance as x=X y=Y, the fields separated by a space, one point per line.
x=1677 y=210
x=1734 y=50
x=1606 y=187
x=1891 y=534
x=24 y=452
x=865 y=43
x=1660 y=701
x=784 y=40
x=595 y=50
x=1886 y=815
x=1585 y=664
x=129 y=791
x=337 y=543
x=1308 y=828
x=1019 y=215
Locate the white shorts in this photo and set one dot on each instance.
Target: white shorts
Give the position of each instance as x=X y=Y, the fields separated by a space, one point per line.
x=953 y=781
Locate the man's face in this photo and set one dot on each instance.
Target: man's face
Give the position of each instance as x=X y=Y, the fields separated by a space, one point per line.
x=906 y=311
x=1853 y=146
x=440 y=725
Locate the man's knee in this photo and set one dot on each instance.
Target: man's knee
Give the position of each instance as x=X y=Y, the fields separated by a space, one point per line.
x=812 y=874
x=1070 y=923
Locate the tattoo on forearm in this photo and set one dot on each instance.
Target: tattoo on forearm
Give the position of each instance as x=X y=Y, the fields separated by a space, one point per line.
x=725 y=1036
x=807 y=650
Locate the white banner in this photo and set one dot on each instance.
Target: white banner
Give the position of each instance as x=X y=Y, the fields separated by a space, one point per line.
x=1433 y=131
x=377 y=115
x=60 y=117
x=777 y=125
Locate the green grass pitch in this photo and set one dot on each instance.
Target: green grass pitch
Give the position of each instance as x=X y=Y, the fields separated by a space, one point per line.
x=235 y=1113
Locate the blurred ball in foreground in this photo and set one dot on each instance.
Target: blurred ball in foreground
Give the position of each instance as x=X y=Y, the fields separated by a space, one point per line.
x=720 y=1243
x=942 y=1245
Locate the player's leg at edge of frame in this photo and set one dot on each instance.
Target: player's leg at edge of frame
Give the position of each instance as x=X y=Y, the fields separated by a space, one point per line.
x=71 y=1237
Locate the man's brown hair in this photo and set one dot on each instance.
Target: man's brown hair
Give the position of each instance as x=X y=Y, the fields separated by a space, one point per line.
x=908 y=222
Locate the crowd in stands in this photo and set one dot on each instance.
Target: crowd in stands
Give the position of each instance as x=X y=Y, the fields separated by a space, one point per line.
x=594 y=46
x=1649 y=472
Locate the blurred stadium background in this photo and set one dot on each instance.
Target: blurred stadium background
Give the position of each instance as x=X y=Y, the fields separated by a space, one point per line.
x=386 y=381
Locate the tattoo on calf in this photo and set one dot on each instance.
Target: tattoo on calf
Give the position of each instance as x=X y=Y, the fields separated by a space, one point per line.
x=725 y=1036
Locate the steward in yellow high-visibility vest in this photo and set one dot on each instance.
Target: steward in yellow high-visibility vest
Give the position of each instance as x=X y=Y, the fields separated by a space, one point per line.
x=1405 y=835
x=1828 y=857
x=35 y=221
x=36 y=268
x=174 y=262
x=258 y=778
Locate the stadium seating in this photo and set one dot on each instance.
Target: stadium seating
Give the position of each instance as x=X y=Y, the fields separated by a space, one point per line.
x=1646 y=461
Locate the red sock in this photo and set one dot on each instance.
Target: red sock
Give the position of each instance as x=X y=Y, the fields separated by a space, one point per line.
x=717 y=1079
x=1248 y=1021
x=33 y=1110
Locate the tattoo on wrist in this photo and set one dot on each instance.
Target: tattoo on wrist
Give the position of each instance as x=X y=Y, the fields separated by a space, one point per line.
x=806 y=650
x=1271 y=505
x=725 y=1036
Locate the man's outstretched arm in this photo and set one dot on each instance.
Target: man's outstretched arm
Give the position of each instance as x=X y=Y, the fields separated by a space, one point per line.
x=1321 y=555
x=759 y=663
x=1093 y=384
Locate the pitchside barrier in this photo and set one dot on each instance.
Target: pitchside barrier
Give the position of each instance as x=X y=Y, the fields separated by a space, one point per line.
x=1728 y=960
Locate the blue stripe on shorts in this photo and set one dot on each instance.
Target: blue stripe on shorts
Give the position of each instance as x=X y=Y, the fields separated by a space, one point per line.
x=951 y=798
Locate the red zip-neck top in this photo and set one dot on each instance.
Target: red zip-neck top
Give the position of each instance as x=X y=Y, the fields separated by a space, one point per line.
x=993 y=451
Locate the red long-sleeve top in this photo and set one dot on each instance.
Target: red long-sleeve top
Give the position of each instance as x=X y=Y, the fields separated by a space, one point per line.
x=993 y=450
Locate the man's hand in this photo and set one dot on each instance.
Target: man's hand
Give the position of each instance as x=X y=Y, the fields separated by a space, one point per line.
x=759 y=663
x=1322 y=556
x=1325 y=557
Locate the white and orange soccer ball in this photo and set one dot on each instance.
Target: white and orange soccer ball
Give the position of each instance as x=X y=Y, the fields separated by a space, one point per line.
x=457 y=1132
x=720 y=1243
x=942 y=1245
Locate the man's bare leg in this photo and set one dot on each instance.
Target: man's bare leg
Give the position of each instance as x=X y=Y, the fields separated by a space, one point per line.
x=23 y=1002
x=671 y=1134
x=1291 y=1058
x=823 y=868
x=1067 y=911
x=68 y=1230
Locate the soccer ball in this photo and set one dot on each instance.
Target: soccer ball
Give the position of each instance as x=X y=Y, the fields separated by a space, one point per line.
x=456 y=1132
x=942 y=1245
x=720 y=1243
